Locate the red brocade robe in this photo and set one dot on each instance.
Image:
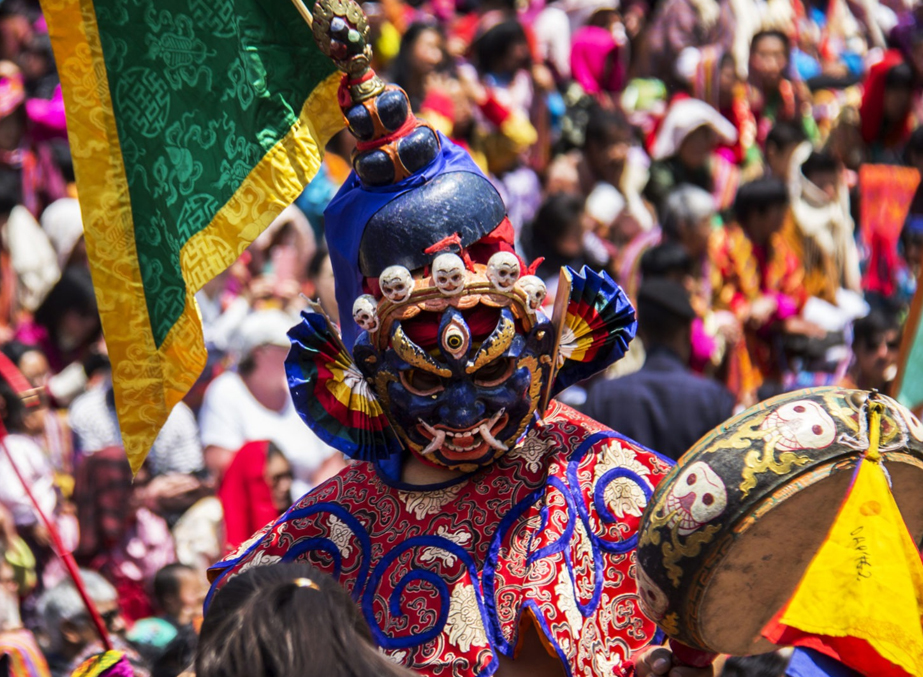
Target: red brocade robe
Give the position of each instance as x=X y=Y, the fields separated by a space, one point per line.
x=446 y=577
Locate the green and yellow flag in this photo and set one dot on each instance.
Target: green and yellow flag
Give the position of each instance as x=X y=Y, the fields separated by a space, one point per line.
x=192 y=124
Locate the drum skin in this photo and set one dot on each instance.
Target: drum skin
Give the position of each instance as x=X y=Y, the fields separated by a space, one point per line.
x=729 y=533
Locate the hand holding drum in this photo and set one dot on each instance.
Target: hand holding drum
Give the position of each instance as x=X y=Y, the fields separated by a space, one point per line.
x=729 y=534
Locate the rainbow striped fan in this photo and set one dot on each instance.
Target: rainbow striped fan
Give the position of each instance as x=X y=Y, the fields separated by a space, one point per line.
x=595 y=323
x=332 y=395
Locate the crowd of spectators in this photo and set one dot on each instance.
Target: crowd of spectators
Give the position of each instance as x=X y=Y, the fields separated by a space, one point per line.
x=722 y=160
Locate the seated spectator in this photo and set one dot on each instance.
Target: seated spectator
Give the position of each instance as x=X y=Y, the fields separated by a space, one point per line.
x=781 y=142
x=179 y=592
x=608 y=156
x=556 y=235
x=257 y=488
x=66 y=328
x=120 y=535
x=684 y=151
x=687 y=221
x=886 y=108
x=45 y=424
x=71 y=635
x=773 y=97
x=875 y=346
x=287 y=620
x=756 y=277
x=253 y=403
x=176 y=449
x=710 y=75
x=20 y=655
x=820 y=231
x=664 y=405
x=36 y=471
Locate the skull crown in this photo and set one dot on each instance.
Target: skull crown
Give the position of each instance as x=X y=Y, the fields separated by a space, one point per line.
x=449 y=274
x=503 y=271
x=365 y=313
x=396 y=284
x=535 y=291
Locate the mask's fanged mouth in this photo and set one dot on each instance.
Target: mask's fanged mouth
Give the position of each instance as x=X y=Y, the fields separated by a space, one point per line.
x=468 y=444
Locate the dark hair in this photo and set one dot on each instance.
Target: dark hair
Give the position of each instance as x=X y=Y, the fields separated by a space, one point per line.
x=762 y=665
x=818 y=163
x=16 y=350
x=602 y=124
x=402 y=65
x=314 y=265
x=178 y=655
x=784 y=134
x=10 y=189
x=664 y=260
x=491 y=47
x=758 y=196
x=73 y=292
x=269 y=622
x=872 y=326
x=914 y=144
x=14 y=411
x=556 y=215
x=167 y=581
x=899 y=77
x=771 y=34
x=659 y=324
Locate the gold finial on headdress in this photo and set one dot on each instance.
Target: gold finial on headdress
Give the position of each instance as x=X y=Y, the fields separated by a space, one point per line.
x=306 y=583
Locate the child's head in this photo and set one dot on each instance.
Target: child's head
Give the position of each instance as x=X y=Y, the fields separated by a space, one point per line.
x=760 y=208
x=781 y=142
x=823 y=171
x=898 y=94
x=287 y=620
x=179 y=592
x=607 y=142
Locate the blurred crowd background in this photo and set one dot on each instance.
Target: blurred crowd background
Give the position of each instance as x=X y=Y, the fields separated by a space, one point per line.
x=747 y=170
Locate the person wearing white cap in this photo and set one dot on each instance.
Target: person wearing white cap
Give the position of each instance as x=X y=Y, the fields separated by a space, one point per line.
x=684 y=152
x=253 y=403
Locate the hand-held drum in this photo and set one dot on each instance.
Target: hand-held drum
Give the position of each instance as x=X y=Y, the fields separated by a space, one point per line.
x=728 y=535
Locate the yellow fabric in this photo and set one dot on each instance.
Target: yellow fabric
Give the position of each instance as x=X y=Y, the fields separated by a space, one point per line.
x=867 y=579
x=149 y=382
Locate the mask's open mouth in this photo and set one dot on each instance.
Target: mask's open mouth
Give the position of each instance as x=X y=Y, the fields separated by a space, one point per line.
x=464 y=445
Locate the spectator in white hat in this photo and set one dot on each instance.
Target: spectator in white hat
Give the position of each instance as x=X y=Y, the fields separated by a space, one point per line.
x=253 y=403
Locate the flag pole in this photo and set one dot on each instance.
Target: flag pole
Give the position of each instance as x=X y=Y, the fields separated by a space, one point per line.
x=62 y=552
x=304 y=12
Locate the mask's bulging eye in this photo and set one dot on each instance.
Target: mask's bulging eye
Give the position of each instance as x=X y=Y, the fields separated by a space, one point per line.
x=494 y=373
x=420 y=382
x=456 y=339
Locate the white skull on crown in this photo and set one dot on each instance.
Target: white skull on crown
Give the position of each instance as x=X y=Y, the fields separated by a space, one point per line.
x=503 y=271
x=365 y=313
x=396 y=284
x=697 y=497
x=535 y=291
x=449 y=274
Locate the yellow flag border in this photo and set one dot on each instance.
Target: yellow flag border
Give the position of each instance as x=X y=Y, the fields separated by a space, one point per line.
x=148 y=381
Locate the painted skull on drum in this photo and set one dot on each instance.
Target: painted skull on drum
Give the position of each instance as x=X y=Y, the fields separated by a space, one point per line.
x=697 y=497
x=654 y=601
x=801 y=424
x=460 y=400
